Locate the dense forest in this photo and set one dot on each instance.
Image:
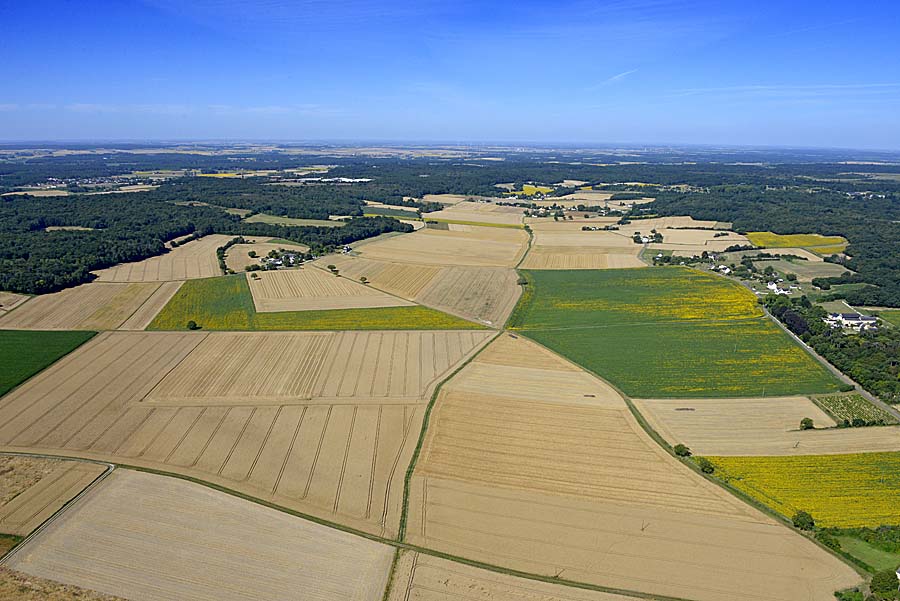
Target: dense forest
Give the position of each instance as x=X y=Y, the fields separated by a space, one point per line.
x=127 y=227
x=871 y=222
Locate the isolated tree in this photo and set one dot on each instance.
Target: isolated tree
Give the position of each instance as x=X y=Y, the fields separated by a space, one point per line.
x=363 y=279
x=332 y=267
x=682 y=451
x=806 y=423
x=804 y=521
x=192 y=325
x=705 y=465
x=252 y=254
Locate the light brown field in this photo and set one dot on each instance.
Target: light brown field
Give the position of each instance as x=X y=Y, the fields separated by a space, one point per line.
x=447 y=199
x=10 y=300
x=479 y=212
x=35 y=494
x=564 y=245
x=413 y=211
x=768 y=426
x=422 y=577
x=309 y=288
x=320 y=422
x=17 y=586
x=484 y=294
x=94 y=306
x=196 y=259
x=39 y=193
x=237 y=257
x=147 y=537
x=68 y=228
x=538 y=478
x=141 y=318
x=476 y=246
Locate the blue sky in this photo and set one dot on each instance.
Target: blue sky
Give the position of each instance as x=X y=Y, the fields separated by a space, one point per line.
x=781 y=73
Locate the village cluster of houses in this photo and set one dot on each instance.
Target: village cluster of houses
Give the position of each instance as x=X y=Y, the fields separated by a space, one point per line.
x=853 y=321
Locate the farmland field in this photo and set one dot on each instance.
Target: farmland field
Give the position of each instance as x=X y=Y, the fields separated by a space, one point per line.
x=310 y=288
x=805 y=270
x=821 y=245
x=273 y=219
x=837 y=490
x=320 y=422
x=667 y=332
x=225 y=303
x=532 y=464
x=144 y=536
x=195 y=259
x=237 y=257
x=564 y=245
x=17 y=586
x=892 y=317
x=479 y=212
x=767 y=426
x=94 y=306
x=10 y=300
x=470 y=245
x=853 y=406
x=24 y=353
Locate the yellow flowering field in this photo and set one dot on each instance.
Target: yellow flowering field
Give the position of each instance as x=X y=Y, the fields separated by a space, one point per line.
x=817 y=243
x=845 y=491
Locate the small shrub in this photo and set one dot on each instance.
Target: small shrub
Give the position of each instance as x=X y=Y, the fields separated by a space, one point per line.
x=846 y=387
x=705 y=465
x=682 y=451
x=192 y=325
x=804 y=521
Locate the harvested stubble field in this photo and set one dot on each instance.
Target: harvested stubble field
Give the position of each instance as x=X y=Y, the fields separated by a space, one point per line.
x=563 y=245
x=837 y=490
x=479 y=212
x=94 y=306
x=821 y=245
x=323 y=423
x=483 y=294
x=17 y=586
x=10 y=300
x=667 y=332
x=149 y=537
x=24 y=353
x=195 y=259
x=568 y=483
x=422 y=577
x=768 y=426
x=476 y=246
x=226 y=303
x=290 y=221
x=310 y=289
x=853 y=406
x=33 y=492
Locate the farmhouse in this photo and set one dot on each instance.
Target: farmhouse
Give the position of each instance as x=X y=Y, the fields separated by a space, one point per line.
x=852 y=320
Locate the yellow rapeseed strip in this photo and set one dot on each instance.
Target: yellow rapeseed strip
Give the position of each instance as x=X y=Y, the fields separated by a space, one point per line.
x=770 y=240
x=846 y=491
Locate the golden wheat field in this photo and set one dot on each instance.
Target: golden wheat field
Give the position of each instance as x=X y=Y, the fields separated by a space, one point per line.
x=479 y=212
x=32 y=493
x=195 y=259
x=427 y=578
x=564 y=245
x=476 y=246
x=144 y=536
x=10 y=300
x=94 y=306
x=324 y=423
x=310 y=289
x=534 y=477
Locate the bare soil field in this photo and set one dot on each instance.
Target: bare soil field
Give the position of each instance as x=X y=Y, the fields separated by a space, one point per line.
x=577 y=489
x=479 y=212
x=422 y=577
x=32 y=493
x=94 y=306
x=195 y=259
x=141 y=318
x=10 y=300
x=476 y=246
x=309 y=289
x=323 y=423
x=767 y=426
x=147 y=537
x=17 y=586
x=237 y=257
x=483 y=294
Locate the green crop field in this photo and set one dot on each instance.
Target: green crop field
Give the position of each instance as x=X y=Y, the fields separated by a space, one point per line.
x=225 y=303
x=667 y=332
x=24 y=353
x=853 y=406
x=892 y=317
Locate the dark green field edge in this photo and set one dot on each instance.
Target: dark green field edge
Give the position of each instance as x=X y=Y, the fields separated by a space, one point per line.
x=26 y=353
x=225 y=303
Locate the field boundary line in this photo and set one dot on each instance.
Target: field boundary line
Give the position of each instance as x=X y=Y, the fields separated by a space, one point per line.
x=397 y=544
x=146 y=300
x=46 y=523
x=658 y=439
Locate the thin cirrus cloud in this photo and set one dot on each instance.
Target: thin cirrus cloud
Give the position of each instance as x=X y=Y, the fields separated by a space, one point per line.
x=813 y=90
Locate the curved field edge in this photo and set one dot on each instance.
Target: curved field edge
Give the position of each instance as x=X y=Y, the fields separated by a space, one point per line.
x=225 y=303
x=25 y=353
x=397 y=544
x=666 y=333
